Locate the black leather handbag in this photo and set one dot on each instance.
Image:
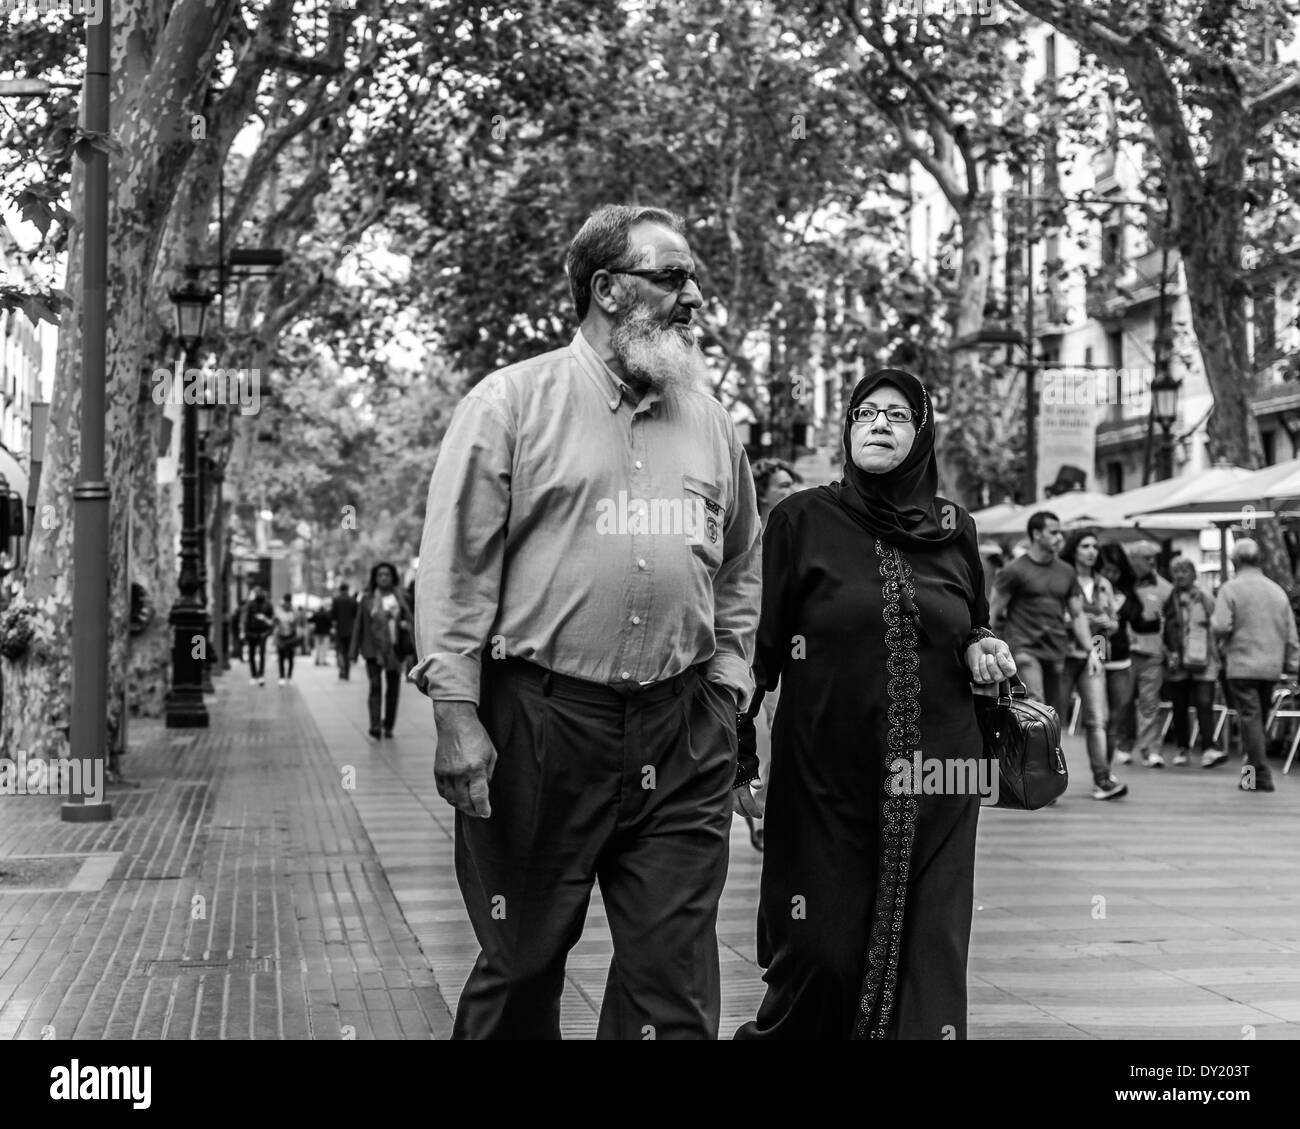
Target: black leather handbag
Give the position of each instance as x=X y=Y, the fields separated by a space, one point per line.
x=1024 y=737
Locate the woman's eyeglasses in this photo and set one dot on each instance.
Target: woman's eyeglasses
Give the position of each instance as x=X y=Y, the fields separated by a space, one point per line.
x=866 y=414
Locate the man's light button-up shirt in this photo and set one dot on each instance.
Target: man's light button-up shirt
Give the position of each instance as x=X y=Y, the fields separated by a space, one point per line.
x=542 y=537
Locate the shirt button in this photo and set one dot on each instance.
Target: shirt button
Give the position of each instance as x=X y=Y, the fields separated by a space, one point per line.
x=626 y=674
x=641 y=563
x=613 y=405
x=637 y=464
x=636 y=619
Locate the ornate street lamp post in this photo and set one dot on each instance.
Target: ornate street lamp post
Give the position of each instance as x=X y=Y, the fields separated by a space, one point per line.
x=1164 y=407
x=189 y=620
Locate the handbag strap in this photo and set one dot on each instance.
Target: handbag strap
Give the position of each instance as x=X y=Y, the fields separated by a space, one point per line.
x=1015 y=687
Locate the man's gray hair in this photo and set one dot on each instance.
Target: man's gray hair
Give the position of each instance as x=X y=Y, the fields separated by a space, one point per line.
x=603 y=243
x=1245 y=552
x=1143 y=549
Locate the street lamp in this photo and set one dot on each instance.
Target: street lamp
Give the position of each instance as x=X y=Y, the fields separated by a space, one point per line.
x=205 y=466
x=189 y=620
x=191 y=304
x=1164 y=409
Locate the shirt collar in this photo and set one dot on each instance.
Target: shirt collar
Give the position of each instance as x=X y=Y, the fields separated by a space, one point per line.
x=612 y=386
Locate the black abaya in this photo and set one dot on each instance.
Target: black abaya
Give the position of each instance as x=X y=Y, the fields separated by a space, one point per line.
x=849 y=913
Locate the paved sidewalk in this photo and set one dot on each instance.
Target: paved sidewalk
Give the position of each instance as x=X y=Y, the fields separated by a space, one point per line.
x=234 y=895
x=1173 y=913
x=328 y=900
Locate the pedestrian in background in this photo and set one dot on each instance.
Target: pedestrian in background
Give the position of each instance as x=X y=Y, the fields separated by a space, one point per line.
x=383 y=636
x=774 y=481
x=1034 y=599
x=259 y=622
x=585 y=676
x=1081 y=551
x=321 y=622
x=1192 y=664
x=1254 y=626
x=343 y=611
x=1121 y=723
x=286 y=637
x=1147 y=646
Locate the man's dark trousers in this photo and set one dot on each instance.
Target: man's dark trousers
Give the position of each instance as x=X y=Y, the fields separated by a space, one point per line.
x=1252 y=699
x=631 y=789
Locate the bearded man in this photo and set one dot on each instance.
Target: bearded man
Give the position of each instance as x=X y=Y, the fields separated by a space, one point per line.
x=586 y=674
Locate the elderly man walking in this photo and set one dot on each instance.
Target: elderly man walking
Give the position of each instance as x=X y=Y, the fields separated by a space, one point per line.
x=586 y=608
x=1255 y=628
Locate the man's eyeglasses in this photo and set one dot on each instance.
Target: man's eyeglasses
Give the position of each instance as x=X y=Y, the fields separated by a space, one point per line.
x=675 y=278
x=865 y=414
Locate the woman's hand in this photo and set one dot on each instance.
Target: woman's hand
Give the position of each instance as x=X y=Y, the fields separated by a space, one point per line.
x=990 y=660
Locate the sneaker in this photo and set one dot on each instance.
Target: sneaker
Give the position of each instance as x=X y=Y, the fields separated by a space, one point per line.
x=281 y=681
x=374 y=733
x=388 y=732
x=1212 y=757
x=1181 y=758
x=1261 y=784
x=1109 y=789
x=1123 y=758
x=252 y=681
x=1155 y=760
x=261 y=681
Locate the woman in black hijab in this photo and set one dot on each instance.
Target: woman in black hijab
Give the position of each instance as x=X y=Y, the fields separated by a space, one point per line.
x=875 y=623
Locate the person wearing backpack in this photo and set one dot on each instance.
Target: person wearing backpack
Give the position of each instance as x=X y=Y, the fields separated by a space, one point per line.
x=259 y=621
x=286 y=637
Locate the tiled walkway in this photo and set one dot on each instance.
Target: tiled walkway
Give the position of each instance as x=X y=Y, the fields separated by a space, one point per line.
x=244 y=899
x=280 y=875
x=1174 y=913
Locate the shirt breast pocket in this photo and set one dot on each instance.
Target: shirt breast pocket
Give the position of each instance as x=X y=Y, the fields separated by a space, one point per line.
x=702 y=519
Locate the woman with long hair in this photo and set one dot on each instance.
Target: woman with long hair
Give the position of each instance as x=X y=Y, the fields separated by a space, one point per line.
x=1121 y=726
x=1082 y=548
x=383 y=636
x=874 y=623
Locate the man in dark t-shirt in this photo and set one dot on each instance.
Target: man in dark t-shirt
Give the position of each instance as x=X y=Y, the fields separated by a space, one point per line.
x=1036 y=603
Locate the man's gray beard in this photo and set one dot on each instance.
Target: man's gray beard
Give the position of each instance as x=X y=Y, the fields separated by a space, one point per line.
x=664 y=357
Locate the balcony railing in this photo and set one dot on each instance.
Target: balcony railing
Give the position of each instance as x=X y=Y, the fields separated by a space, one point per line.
x=1113 y=290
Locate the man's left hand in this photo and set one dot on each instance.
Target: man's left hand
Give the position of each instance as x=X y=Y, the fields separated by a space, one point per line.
x=989 y=660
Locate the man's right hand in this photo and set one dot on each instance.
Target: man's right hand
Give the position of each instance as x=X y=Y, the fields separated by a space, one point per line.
x=465 y=760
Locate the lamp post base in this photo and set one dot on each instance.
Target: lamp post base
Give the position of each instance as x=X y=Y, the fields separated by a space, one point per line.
x=184 y=709
x=101 y=812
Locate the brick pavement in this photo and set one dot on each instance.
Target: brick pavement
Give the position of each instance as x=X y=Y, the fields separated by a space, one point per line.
x=238 y=896
x=326 y=907
x=1196 y=934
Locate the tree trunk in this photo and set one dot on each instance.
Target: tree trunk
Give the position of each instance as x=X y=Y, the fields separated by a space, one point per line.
x=1211 y=261
x=968 y=403
x=161 y=63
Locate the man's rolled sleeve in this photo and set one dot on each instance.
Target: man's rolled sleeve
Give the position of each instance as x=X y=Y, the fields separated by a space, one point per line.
x=462 y=550
x=737 y=587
